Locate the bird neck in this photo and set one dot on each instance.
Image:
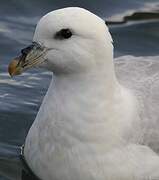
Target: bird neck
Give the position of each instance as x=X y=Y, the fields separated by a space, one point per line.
x=80 y=104
x=75 y=95
x=101 y=79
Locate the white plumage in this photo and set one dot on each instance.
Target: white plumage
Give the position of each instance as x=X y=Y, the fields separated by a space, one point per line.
x=89 y=126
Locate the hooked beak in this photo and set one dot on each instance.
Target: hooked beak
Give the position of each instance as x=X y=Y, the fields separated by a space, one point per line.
x=31 y=56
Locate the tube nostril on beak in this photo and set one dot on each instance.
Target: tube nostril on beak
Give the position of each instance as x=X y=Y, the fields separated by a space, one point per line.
x=26 y=50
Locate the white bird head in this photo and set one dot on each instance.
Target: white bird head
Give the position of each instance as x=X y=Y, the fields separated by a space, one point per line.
x=69 y=40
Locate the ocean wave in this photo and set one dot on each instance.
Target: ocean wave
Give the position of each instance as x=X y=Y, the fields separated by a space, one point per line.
x=148 y=11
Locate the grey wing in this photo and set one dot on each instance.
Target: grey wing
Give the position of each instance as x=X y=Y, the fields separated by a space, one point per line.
x=141 y=75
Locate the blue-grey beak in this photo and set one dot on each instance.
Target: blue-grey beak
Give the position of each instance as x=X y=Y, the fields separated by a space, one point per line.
x=31 y=56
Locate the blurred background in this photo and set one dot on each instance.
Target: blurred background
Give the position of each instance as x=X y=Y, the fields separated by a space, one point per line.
x=134 y=26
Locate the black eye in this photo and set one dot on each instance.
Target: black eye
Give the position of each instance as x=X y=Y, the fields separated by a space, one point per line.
x=63 y=34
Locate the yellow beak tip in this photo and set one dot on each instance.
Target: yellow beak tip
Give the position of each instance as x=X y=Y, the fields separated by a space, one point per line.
x=13 y=69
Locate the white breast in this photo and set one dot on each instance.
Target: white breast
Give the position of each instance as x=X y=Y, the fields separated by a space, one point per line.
x=77 y=126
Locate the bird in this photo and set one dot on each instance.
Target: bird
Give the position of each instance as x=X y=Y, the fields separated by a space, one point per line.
x=95 y=122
